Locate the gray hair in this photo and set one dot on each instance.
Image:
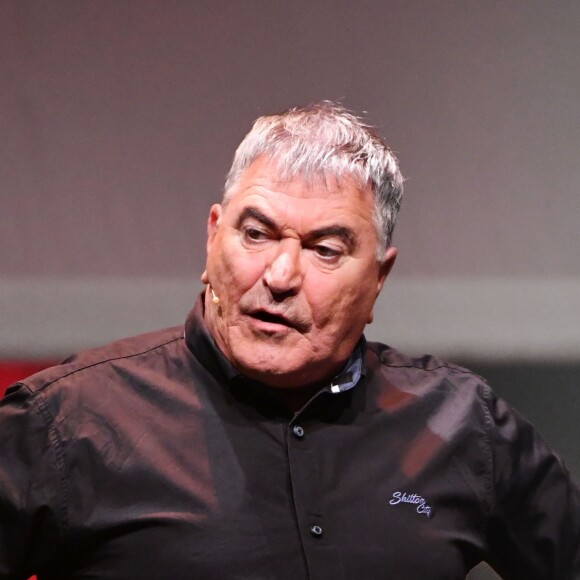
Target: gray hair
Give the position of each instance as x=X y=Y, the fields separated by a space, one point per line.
x=326 y=140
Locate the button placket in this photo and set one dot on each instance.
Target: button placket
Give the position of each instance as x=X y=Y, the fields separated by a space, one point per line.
x=304 y=473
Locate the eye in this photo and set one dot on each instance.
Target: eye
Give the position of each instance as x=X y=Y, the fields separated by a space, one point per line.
x=253 y=234
x=327 y=253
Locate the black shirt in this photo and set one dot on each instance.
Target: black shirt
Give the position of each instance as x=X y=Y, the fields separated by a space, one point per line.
x=153 y=458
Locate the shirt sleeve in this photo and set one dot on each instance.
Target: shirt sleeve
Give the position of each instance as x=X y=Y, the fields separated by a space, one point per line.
x=31 y=504
x=534 y=528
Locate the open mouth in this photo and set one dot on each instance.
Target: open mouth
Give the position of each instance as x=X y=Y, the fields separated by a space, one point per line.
x=272 y=318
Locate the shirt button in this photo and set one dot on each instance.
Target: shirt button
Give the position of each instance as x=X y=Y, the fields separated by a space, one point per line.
x=298 y=431
x=316 y=531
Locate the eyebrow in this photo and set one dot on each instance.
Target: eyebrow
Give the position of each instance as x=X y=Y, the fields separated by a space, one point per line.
x=253 y=212
x=347 y=235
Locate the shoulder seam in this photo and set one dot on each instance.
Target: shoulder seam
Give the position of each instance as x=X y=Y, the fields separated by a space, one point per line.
x=99 y=362
x=441 y=366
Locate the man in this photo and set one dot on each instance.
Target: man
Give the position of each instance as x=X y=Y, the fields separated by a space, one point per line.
x=267 y=439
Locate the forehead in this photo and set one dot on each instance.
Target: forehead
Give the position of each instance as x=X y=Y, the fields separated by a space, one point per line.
x=263 y=182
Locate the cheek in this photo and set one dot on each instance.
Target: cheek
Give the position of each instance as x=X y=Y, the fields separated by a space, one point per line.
x=238 y=271
x=328 y=300
x=338 y=303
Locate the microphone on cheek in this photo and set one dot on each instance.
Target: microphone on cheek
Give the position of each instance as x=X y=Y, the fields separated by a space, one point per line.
x=214 y=297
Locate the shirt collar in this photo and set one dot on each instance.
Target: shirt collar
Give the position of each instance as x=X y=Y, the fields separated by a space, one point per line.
x=201 y=344
x=352 y=372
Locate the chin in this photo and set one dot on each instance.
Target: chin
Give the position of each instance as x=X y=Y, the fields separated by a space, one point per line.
x=285 y=361
x=283 y=373
x=271 y=374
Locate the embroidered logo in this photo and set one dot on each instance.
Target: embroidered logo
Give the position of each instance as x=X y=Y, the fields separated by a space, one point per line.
x=413 y=498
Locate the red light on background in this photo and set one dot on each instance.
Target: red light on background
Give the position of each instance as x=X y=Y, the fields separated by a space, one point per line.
x=12 y=371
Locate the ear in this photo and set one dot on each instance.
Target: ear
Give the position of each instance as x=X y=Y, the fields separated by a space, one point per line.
x=384 y=270
x=385 y=267
x=213 y=224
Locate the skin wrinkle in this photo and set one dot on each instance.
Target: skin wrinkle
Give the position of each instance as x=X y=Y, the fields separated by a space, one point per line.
x=345 y=234
x=302 y=251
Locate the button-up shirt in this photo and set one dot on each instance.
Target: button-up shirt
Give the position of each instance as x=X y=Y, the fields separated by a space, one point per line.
x=154 y=458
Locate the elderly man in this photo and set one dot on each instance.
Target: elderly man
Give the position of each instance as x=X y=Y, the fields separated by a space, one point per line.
x=267 y=439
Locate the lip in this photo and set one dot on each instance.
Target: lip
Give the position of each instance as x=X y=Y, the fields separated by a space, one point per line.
x=271 y=321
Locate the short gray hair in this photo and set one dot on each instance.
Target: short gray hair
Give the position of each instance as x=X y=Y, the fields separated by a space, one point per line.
x=326 y=140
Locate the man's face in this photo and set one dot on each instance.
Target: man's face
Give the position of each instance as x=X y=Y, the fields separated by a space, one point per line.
x=295 y=270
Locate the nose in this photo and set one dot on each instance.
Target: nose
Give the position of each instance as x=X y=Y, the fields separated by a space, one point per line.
x=283 y=276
